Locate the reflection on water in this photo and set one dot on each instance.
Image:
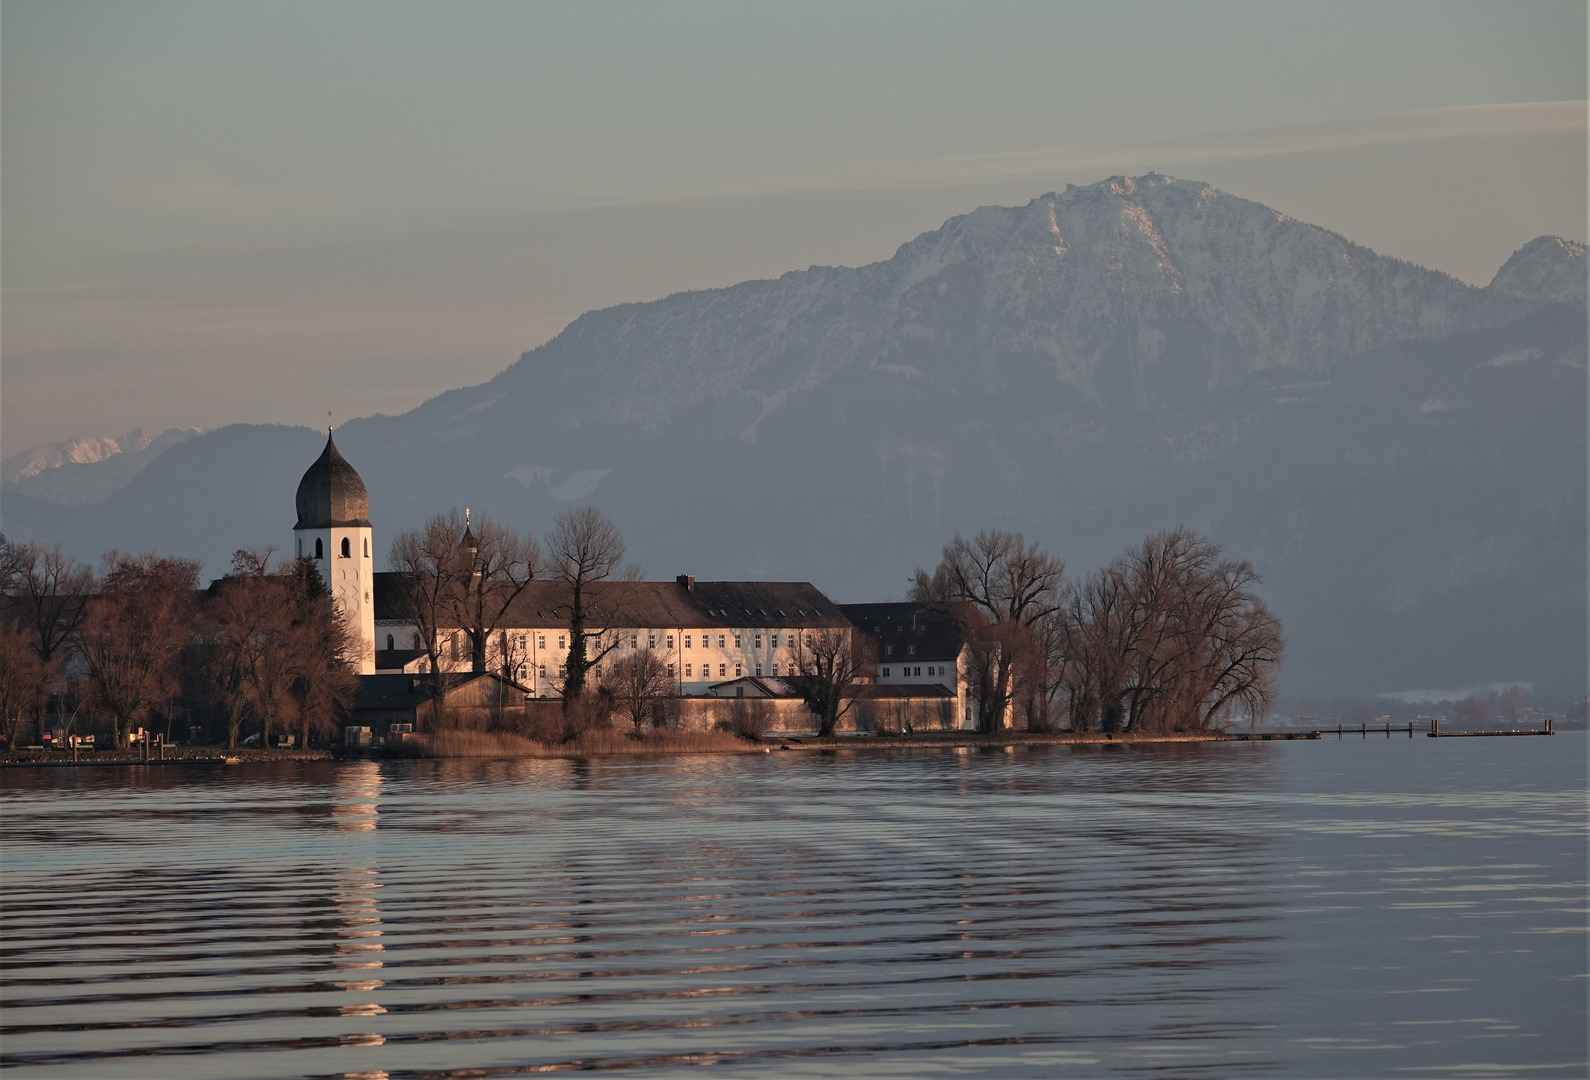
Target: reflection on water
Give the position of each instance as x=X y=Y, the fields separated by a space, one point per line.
x=1260 y=909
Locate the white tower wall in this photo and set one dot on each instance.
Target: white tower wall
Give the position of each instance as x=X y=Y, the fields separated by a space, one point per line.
x=350 y=578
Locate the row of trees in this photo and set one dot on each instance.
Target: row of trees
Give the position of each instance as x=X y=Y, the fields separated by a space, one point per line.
x=139 y=639
x=463 y=575
x=1169 y=636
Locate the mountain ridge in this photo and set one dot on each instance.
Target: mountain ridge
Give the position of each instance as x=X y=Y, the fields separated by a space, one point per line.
x=1091 y=366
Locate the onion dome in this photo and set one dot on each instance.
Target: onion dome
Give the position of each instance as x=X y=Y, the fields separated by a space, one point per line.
x=331 y=493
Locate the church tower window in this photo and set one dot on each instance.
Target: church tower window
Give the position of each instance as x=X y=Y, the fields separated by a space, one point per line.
x=344 y=547
x=319 y=553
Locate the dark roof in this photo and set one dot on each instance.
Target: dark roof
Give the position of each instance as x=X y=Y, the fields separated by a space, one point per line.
x=749 y=605
x=770 y=687
x=331 y=493
x=913 y=631
x=396 y=658
x=895 y=691
x=398 y=691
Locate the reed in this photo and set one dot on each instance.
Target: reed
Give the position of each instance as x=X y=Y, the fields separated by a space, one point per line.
x=600 y=742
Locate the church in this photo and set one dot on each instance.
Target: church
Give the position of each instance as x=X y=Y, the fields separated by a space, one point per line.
x=711 y=635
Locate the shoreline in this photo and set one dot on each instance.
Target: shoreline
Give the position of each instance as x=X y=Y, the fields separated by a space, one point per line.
x=771 y=743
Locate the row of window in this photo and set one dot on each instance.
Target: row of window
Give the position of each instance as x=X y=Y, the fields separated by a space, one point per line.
x=910 y=650
x=912 y=672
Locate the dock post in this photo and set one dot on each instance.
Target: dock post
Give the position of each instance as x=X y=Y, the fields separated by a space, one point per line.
x=1338 y=731
x=1363 y=730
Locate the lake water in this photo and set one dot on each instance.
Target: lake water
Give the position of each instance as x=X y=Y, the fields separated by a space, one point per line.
x=1402 y=907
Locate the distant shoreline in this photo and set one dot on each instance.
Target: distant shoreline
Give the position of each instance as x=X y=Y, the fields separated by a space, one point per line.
x=769 y=744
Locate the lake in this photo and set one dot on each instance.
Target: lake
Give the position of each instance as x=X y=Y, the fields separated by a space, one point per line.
x=1402 y=907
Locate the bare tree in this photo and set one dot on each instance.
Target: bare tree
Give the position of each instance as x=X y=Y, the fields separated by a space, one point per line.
x=22 y=676
x=998 y=588
x=1473 y=712
x=138 y=622
x=639 y=683
x=239 y=621
x=1169 y=636
x=427 y=562
x=47 y=592
x=834 y=666
x=498 y=565
x=1513 y=705
x=586 y=551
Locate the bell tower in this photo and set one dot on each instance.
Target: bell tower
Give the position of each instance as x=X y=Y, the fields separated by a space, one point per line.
x=334 y=530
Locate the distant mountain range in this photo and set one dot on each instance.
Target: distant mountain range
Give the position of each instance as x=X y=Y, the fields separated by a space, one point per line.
x=1402 y=455
x=86 y=470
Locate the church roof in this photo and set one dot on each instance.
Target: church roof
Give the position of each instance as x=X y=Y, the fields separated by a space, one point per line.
x=331 y=493
x=658 y=604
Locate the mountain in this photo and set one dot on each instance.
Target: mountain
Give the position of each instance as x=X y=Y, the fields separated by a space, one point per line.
x=1402 y=455
x=86 y=470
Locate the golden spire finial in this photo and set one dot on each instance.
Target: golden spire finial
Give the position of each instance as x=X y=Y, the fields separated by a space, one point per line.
x=328 y=423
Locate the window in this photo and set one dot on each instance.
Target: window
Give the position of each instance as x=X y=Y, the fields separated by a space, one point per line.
x=910 y=650
x=775 y=641
x=888 y=650
x=391 y=643
x=759 y=641
x=720 y=641
x=791 y=669
x=736 y=641
x=723 y=671
x=366 y=547
x=417 y=641
x=687 y=671
x=300 y=547
x=345 y=547
x=560 y=641
x=670 y=671
x=634 y=641
x=452 y=644
x=885 y=673
x=759 y=669
x=543 y=671
x=737 y=671
x=670 y=641
x=319 y=554
x=541 y=641
x=687 y=641
x=918 y=671
x=651 y=641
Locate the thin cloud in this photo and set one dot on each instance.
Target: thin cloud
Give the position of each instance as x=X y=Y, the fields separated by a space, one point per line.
x=204 y=194
x=1471 y=121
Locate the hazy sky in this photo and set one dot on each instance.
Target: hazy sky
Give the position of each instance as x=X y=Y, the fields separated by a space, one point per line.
x=213 y=212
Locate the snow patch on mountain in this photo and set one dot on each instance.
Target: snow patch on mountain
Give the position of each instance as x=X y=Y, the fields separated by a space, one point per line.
x=1548 y=269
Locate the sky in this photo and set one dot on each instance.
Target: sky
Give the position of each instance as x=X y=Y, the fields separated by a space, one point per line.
x=220 y=212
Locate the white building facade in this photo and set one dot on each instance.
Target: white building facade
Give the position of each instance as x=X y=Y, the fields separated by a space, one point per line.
x=704 y=632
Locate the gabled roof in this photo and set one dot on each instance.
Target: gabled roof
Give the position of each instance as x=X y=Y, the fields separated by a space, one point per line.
x=769 y=687
x=909 y=631
x=395 y=691
x=661 y=605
